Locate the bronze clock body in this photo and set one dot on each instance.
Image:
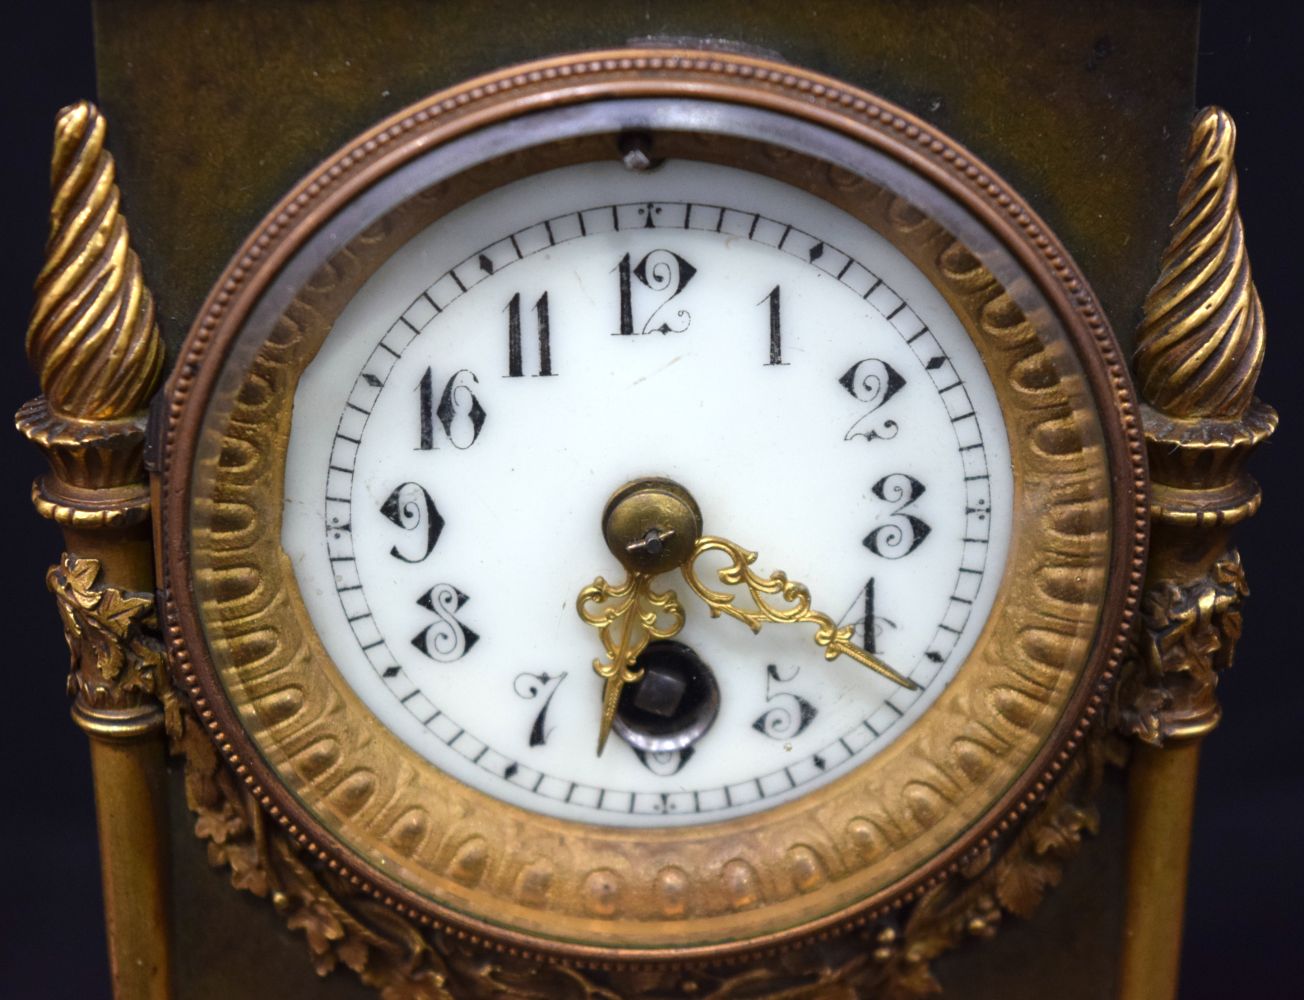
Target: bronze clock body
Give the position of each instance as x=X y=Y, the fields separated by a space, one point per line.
x=321 y=867
x=1016 y=711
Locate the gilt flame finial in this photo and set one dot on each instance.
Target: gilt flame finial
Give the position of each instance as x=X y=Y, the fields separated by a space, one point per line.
x=92 y=338
x=1201 y=340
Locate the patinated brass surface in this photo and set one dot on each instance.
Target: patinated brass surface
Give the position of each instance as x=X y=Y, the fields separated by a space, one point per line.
x=1017 y=692
x=346 y=929
x=1083 y=108
x=1199 y=352
x=97 y=353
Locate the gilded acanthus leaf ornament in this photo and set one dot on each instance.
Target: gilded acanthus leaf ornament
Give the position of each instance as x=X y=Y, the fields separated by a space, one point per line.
x=340 y=926
x=116 y=654
x=1190 y=635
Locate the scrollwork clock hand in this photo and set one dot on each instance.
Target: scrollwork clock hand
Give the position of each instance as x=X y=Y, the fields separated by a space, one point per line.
x=627 y=617
x=653 y=526
x=835 y=641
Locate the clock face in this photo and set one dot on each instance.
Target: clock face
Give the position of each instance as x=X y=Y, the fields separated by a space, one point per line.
x=457 y=435
x=395 y=431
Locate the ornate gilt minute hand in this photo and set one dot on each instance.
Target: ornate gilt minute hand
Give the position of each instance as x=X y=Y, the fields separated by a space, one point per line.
x=653 y=526
x=836 y=641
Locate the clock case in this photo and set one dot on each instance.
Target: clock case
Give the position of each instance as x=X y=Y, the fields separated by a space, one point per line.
x=156 y=145
x=441 y=853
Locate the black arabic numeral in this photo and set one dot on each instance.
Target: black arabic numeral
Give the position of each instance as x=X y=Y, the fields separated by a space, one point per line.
x=445 y=639
x=902 y=533
x=658 y=271
x=864 y=619
x=459 y=412
x=872 y=382
x=427 y=410
x=515 y=358
x=790 y=714
x=413 y=509
x=776 y=330
x=626 y=299
x=535 y=686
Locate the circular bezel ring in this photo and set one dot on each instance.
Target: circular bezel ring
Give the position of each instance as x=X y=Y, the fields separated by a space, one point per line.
x=530 y=94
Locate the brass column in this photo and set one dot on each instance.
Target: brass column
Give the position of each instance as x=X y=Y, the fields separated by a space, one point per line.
x=96 y=350
x=1198 y=356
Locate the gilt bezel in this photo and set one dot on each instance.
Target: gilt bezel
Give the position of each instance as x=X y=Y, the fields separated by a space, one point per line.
x=813 y=866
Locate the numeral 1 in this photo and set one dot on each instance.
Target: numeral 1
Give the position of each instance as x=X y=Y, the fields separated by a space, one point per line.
x=776 y=330
x=427 y=391
x=626 y=299
x=514 y=365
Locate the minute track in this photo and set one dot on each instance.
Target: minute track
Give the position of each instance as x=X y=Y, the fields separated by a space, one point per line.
x=433 y=304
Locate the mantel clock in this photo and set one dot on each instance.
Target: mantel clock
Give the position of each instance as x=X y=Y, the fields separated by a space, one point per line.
x=656 y=521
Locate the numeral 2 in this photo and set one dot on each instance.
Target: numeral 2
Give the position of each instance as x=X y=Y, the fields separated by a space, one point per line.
x=872 y=382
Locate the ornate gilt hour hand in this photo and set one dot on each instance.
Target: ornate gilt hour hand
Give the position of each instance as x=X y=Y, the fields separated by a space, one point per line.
x=653 y=526
x=627 y=618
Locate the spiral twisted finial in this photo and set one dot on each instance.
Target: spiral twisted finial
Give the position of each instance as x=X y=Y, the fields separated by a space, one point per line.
x=92 y=337
x=1201 y=341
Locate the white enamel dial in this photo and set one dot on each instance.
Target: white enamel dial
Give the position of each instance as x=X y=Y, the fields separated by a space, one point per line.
x=455 y=441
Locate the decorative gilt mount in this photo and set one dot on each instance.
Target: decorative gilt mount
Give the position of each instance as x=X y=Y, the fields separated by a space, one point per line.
x=1198 y=356
x=97 y=353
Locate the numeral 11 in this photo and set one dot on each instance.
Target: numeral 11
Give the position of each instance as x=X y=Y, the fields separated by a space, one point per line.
x=514 y=336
